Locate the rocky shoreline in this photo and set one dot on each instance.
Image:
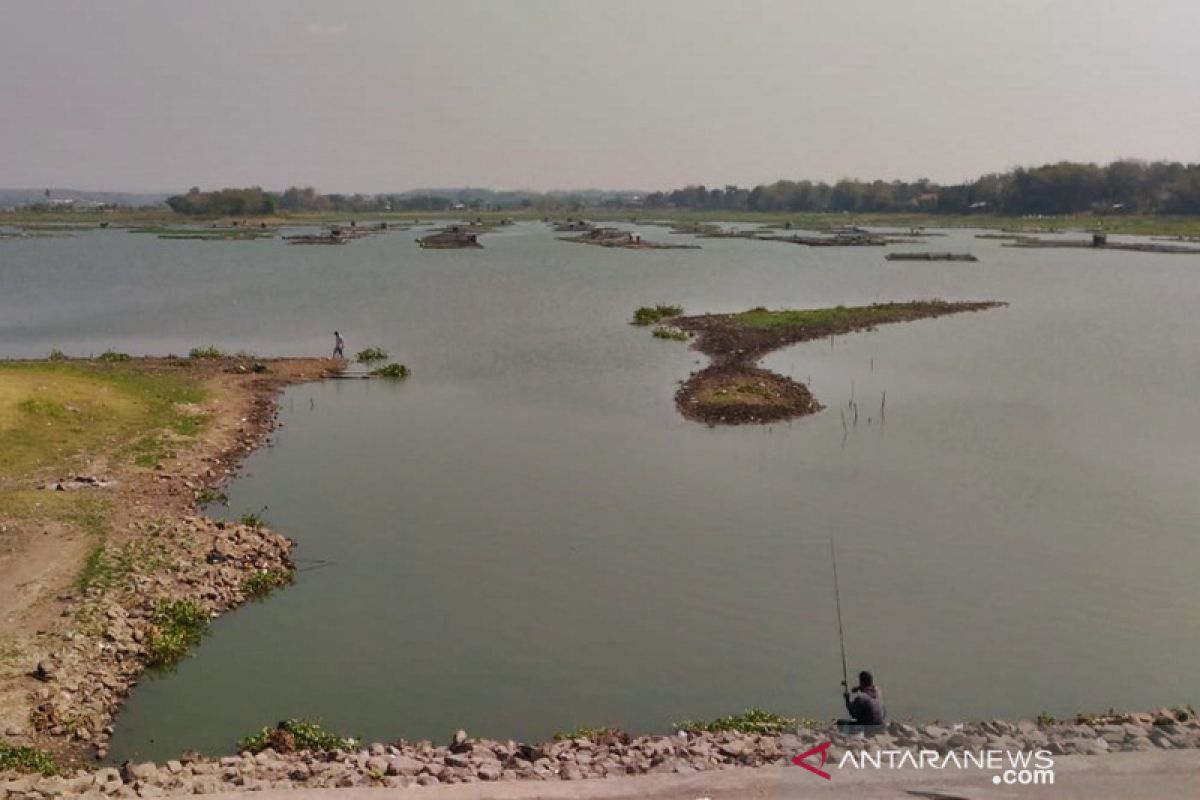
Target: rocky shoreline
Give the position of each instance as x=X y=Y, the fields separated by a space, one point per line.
x=159 y=550
x=609 y=754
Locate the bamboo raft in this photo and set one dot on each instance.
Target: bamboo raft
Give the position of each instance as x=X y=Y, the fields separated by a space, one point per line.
x=931 y=257
x=1100 y=242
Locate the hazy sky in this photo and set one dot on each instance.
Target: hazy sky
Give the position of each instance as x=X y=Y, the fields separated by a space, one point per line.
x=390 y=95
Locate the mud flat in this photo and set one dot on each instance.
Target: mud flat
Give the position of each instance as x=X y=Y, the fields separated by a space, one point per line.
x=733 y=390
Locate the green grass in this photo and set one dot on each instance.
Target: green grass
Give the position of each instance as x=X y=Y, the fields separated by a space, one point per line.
x=839 y=317
x=293 y=735
x=109 y=567
x=752 y=720
x=649 y=315
x=261 y=584
x=27 y=759
x=52 y=413
x=589 y=732
x=179 y=625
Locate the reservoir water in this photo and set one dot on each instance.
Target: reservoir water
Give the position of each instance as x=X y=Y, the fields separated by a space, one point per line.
x=525 y=537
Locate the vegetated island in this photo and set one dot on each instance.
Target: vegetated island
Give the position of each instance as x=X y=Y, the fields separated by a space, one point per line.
x=733 y=390
x=614 y=237
x=454 y=237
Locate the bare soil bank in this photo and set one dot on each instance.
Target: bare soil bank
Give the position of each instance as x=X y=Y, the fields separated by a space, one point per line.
x=91 y=564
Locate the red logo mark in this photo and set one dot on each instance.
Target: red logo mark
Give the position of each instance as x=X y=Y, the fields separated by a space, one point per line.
x=823 y=750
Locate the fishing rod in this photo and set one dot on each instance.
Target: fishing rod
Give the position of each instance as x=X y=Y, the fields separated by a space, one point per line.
x=837 y=596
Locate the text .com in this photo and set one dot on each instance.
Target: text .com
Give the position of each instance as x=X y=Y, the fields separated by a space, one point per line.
x=1011 y=768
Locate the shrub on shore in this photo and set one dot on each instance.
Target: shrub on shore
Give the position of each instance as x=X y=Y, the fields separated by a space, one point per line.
x=293 y=735
x=56 y=355
x=112 y=356
x=394 y=371
x=648 y=315
x=179 y=625
x=205 y=352
x=369 y=354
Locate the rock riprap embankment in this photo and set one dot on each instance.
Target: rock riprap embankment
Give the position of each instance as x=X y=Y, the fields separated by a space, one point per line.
x=466 y=759
x=85 y=677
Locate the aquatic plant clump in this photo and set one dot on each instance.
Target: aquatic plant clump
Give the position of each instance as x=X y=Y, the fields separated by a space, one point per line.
x=649 y=315
x=391 y=371
x=262 y=583
x=254 y=519
x=670 y=332
x=752 y=720
x=179 y=625
x=370 y=354
x=599 y=733
x=292 y=735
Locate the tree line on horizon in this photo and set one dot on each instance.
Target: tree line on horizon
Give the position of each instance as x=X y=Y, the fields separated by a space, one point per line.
x=1125 y=186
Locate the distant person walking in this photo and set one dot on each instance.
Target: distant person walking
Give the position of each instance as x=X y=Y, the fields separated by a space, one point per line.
x=339 y=345
x=866 y=709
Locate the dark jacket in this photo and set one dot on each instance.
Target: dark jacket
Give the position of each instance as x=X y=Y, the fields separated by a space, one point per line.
x=867 y=706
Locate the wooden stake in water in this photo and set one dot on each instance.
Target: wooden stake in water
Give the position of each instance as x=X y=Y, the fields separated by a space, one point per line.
x=837 y=596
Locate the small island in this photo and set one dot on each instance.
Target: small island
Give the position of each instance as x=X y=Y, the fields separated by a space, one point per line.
x=734 y=390
x=614 y=237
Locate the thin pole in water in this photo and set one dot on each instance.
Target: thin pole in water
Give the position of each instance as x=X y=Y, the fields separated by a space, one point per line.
x=837 y=596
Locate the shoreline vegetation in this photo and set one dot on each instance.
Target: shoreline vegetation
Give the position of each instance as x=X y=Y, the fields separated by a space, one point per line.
x=108 y=567
x=733 y=390
x=49 y=223
x=300 y=754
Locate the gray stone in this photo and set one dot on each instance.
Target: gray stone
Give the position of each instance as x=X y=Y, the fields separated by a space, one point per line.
x=140 y=772
x=403 y=765
x=489 y=770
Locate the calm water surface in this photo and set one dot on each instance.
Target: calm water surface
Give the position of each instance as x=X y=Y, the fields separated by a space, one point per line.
x=525 y=537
